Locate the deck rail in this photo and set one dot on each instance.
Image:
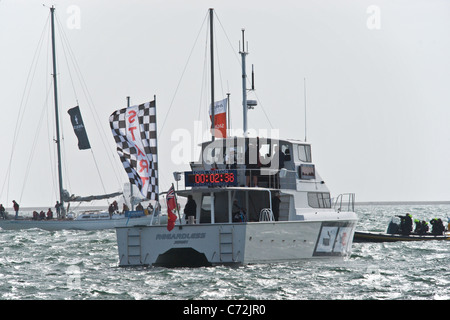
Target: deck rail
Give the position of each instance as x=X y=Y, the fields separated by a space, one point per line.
x=345 y=202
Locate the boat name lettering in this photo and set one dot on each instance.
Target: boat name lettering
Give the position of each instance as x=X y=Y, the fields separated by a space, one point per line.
x=170 y=236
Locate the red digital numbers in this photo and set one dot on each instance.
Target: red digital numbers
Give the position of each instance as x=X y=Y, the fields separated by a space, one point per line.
x=213 y=178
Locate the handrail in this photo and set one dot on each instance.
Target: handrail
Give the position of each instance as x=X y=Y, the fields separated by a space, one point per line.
x=266 y=214
x=345 y=202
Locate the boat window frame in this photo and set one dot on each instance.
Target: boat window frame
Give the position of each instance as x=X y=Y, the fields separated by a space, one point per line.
x=203 y=203
x=318 y=201
x=304 y=153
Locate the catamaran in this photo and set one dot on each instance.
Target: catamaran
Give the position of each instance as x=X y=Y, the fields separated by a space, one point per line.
x=287 y=215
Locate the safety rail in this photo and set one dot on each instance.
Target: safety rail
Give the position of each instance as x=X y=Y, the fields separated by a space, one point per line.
x=266 y=214
x=345 y=202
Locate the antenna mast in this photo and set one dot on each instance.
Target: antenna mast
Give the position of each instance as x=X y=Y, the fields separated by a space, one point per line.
x=244 y=84
x=304 y=94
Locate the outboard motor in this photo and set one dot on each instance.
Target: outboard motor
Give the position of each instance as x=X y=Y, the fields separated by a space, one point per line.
x=394 y=226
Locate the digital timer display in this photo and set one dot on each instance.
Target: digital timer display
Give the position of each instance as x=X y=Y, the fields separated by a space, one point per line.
x=214 y=178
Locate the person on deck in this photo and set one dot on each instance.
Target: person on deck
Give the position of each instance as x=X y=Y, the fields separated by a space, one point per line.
x=58 y=209
x=49 y=214
x=406 y=224
x=111 y=210
x=125 y=208
x=252 y=165
x=279 y=157
x=239 y=214
x=190 y=210
x=2 y=211
x=438 y=227
x=139 y=207
x=276 y=206
x=425 y=227
x=418 y=228
x=115 y=206
x=16 y=208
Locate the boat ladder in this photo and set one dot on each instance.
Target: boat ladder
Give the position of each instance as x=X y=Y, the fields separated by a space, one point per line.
x=134 y=251
x=226 y=244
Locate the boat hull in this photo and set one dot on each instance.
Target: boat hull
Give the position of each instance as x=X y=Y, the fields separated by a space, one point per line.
x=385 y=237
x=55 y=225
x=234 y=243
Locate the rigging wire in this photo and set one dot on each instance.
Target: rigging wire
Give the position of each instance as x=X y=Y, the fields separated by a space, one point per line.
x=182 y=74
x=50 y=133
x=239 y=62
x=90 y=104
x=34 y=144
x=23 y=105
x=161 y=173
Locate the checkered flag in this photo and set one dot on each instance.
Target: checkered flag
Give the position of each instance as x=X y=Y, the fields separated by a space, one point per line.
x=134 y=130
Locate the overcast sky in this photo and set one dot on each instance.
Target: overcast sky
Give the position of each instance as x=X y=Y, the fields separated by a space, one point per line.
x=377 y=75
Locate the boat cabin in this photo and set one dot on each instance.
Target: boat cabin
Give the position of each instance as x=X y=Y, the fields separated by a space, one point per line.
x=267 y=179
x=262 y=157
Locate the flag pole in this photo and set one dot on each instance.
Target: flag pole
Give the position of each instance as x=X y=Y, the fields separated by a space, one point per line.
x=155 y=209
x=156 y=156
x=176 y=203
x=131 y=185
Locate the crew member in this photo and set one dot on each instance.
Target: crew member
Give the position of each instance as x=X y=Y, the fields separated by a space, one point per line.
x=16 y=208
x=239 y=214
x=276 y=206
x=406 y=224
x=424 y=228
x=2 y=211
x=111 y=210
x=58 y=209
x=190 y=210
x=49 y=214
x=437 y=227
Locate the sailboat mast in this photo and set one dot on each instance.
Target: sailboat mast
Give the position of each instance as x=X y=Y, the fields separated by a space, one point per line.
x=211 y=31
x=55 y=91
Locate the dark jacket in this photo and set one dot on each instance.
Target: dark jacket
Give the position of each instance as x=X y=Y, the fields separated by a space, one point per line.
x=191 y=208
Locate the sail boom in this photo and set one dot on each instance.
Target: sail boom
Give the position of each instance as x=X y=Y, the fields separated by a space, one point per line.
x=74 y=198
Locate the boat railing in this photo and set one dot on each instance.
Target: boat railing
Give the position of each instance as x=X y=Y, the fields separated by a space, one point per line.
x=266 y=214
x=345 y=202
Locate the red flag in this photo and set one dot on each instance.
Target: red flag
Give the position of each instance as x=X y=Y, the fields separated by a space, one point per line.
x=171 y=208
x=220 y=118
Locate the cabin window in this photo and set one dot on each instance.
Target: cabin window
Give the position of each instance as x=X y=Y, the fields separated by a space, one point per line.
x=206 y=203
x=304 y=153
x=319 y=199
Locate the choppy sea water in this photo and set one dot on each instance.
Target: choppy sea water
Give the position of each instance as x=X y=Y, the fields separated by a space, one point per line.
x=75 y=265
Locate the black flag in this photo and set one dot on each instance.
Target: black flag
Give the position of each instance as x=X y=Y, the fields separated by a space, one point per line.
x=78 y=127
